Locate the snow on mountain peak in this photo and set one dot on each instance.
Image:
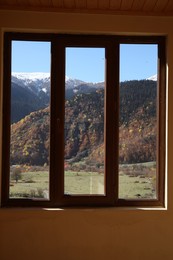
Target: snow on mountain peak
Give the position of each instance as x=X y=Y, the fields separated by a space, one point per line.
x=154 y=78
x=40 y=81
x=28 y=77
x=33 y=76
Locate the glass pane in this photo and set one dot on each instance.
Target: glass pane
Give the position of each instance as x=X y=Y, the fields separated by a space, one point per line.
x=138 y=121
x=30 y=120
x=84 y=121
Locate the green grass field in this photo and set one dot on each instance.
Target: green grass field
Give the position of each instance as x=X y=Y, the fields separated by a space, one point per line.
x=32 y=184
x=135 y=181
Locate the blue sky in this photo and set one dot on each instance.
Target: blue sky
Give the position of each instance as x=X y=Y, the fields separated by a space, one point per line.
x=87 y=64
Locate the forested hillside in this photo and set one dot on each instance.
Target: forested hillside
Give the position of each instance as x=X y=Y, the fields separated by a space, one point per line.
x=84 y=128
x=24 y=101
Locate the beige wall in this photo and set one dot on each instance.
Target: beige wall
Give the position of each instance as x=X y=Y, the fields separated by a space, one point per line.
x=90 y=234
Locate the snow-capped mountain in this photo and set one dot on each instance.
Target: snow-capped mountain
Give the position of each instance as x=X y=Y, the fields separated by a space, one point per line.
x=154 y=78
x=31 y=92
x=38 y=81
x=39 y=84
x=35 y=82
x=31 y=76
x=72 y=83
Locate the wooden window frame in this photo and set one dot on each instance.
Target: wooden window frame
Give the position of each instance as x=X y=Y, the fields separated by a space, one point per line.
x=57 y=111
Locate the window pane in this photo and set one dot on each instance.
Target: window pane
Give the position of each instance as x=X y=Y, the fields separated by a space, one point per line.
x=138 y=121
x=84 y=121
x=30 y=120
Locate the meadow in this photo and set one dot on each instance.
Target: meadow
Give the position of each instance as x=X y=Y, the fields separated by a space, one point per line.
x=136 y=181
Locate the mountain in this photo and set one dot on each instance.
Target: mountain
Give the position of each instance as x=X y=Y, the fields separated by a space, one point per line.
x=84 y=128
x=38 y=81
x=24 y=101
x=31 y=91
x=35 y=82
x=83 y=88
x=39 y=84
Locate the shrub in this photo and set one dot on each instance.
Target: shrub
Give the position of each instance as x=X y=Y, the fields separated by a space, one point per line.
x=40 y=192
x=29 y=180
x=16 y=174
x=32 y=193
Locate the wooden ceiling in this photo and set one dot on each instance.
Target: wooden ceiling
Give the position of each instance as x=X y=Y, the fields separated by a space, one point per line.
x=127 y=7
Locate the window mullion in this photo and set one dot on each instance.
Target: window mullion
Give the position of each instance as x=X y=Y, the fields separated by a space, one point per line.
x=112 y=120
x=57 y=121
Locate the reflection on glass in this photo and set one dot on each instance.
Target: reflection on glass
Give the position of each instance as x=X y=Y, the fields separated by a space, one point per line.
x=138 y=122
x=30 y=121
x=84 y=122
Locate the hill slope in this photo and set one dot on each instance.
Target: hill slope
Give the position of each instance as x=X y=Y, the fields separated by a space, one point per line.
x=84 y=128
x=24 y=101
x=31 y=92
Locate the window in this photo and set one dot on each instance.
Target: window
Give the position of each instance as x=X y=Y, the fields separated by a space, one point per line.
x=90 y=130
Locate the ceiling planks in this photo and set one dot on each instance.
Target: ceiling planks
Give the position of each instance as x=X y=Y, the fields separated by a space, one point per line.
x=58 y=3
x=169 y=6
x=137 y=5
x=69 y=4
x=130 y=7
x=47 y=3
x=92 y=4
x=126 y=4
x=33 y=2
x=115 y=4
x=81 y=4
x=160 y=5
x=103 y=4
x=20 y=2
x=9 y=2
x=149 y=5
